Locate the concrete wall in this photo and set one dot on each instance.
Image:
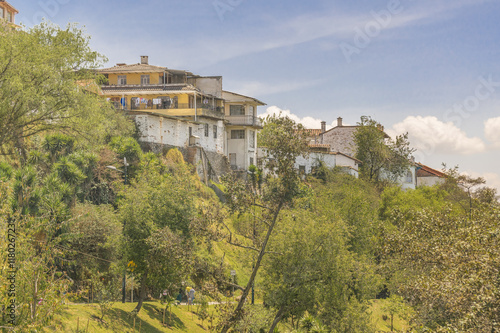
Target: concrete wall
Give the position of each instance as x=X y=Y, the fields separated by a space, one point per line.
x=429 y=181
x=408 y=181
x=173 y=132
x=213 y=165
x=242 y=148
x=209 y=85
x=312 y=160
x=345 y=161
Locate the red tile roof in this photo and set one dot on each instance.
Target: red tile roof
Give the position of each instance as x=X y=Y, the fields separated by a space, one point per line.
x=424 y=171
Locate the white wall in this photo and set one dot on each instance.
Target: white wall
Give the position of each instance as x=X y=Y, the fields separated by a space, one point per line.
x=156 y=129
x=312 y=159
x=429 y=181
x=242 y=147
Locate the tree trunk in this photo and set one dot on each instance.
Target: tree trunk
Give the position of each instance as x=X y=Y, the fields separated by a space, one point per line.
x=239 y=307
x=142 y=292
x=277 y=318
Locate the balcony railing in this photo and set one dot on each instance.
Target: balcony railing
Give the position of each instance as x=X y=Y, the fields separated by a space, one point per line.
x=244 y=121
x=177 y=109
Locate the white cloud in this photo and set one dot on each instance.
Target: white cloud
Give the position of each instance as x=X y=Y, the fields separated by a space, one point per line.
x=308 y=122
x=492 y=179
x=430 y=135
x=492 y=131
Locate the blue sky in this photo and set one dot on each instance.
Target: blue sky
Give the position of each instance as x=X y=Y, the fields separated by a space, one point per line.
x=427 y=67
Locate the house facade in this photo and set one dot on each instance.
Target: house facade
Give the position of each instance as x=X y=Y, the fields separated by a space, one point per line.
x=176 y=108
x=8 y=13
x=242 y=126
x=340 y=142
x=427 y=176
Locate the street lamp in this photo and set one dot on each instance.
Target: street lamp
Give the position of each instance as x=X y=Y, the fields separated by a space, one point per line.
x=125 y=164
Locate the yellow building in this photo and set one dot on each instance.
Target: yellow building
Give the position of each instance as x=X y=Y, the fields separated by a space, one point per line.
x=8 y=13
x=179 y=109
x=159 y=90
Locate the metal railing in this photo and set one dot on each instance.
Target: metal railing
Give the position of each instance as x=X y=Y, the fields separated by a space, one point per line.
x=203 y=110
x=244 y=120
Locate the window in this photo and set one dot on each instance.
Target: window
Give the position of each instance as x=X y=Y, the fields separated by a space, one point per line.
x=251 y=139
x=122 y=79
x=409 y=177
x=1 y=12
x=236 y=110
x=250 y=110
x=302 y=169
x=251 y=161
x=144 y=80
x=206 y=129
x=237 y=134
x=11 y=17
x=215 y=131
x=190 y=131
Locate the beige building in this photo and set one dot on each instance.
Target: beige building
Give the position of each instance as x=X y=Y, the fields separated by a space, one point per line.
x=242 y=126
x=8 y=13
x=176 y=108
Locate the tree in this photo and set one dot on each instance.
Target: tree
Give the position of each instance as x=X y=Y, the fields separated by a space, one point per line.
x=283 y=140
x=467 y=191
x=313 y=269
x=45 y=74
x=382 y=157
x=395 y=305
x=446 y=265
x=156 y=211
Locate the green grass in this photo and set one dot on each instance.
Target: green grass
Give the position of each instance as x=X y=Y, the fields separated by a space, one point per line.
x=385 y=325
x=118 y=319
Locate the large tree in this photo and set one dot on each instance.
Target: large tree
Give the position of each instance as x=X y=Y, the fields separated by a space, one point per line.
x=47 y=83
x=444 y=261
x=382 y=157
x=283 y=140
x=156 y=211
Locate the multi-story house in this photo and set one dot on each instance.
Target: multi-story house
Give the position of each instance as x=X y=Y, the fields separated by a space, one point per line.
x=8 y=13
x=176 y=108
x=242 y=125
x=336 y=147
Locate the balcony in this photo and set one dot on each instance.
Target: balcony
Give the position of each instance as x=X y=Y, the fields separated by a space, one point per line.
x=174 y=109
x=244 y=121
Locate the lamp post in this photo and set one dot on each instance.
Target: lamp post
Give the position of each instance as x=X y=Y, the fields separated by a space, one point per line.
x=125 y=164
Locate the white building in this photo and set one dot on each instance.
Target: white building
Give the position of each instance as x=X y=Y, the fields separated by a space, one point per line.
x=242 y=125
x=176 y=108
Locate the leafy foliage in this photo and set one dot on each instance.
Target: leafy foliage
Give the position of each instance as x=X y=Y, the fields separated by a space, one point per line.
x=45 y=75
x=382 y=157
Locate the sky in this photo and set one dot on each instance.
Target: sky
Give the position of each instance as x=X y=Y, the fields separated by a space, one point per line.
x=427 y=67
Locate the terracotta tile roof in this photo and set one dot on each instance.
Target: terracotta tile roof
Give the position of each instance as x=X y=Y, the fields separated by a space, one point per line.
x=351 y=157
x=312 y=131
x=425 y=171
x=319 y=145
x=6 y=4
x=155 y=87
x=134 y=68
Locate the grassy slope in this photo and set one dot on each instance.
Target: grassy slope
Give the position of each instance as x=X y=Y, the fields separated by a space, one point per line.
x=118 y=319
x=385 y=325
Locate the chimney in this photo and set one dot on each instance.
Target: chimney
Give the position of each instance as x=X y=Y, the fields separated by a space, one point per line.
x=323 y=126
x=339 y=122
x=144 y=60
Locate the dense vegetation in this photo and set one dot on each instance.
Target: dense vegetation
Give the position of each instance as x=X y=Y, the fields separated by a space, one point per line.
x=315 y=250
